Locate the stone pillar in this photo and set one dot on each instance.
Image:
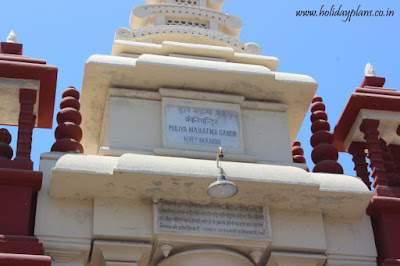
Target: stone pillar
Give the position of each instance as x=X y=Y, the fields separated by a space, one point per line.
x=390 y=166
x=26 y=122
x=367 y=107
x=19 y=185
x=357 y=150
x=395 y=152
x=371 y=135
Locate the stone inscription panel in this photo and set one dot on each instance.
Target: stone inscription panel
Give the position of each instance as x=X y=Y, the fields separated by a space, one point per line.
x=211 y=219
x=202 y=126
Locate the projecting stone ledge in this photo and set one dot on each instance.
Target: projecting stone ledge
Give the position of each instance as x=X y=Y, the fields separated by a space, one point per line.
x=134 y=176
x=150 y=72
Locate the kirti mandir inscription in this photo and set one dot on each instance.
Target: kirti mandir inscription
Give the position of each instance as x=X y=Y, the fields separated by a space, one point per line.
x=201 y=126
x=211 y=219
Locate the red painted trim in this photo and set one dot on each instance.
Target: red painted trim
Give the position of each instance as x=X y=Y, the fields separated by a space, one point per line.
x=24 y=260
x=385 y=216
x=358 y=101
x=21 y=58
x=47 y=75
x=24 y=178
x=391 y=262
x=11 y=48
x=18 y=191
x=387 y=236
x=373 y=82
x=381 y=205
x=20 y=245
x=378 y=91
x=23 y=165
x=386 y=191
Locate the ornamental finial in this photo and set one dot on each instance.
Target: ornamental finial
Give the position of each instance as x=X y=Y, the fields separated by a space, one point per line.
x=324 y=153
x=12 y=37
x=369 y=70
x=68 y=133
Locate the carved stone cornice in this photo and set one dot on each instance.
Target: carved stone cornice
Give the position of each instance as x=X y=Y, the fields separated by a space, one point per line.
x=215 y=37
x=140 y=15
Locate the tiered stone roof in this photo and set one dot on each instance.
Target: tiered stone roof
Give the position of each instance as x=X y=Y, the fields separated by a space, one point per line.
x=191 y=21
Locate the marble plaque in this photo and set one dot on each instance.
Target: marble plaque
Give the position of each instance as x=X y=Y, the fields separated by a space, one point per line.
x=202 y=126
x=211 y=219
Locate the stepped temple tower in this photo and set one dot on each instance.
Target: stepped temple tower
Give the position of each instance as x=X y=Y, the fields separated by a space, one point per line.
x=180 y=149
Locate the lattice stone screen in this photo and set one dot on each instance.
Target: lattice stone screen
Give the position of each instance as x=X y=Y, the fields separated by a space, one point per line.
x=187 y=2
x=187 y=23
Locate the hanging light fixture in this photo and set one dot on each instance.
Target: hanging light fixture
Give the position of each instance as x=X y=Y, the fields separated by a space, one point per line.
x=222 y=188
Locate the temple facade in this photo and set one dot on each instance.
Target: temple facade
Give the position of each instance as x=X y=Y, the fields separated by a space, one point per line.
x=181 y=150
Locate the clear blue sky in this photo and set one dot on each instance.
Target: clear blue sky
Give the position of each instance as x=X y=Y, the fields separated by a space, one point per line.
x=333 y=52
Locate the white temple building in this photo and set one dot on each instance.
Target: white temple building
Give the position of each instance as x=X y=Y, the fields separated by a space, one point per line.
x=177 y=86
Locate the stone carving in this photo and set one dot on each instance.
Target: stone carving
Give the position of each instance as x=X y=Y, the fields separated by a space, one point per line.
x=201 y=126
x=252 y=48
x=256 y=256
x=187 y=2
x=6 y=152
x=213 y=4
x=324 y=154
x=188 y=19
x=68 y=133
x=166 y=249
x=211 y=219
x=148 y=10
x=187 y=23
x=139 y=34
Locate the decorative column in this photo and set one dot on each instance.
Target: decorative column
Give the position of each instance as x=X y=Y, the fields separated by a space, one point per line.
x=324 y=154
x=26 y=123
x=68 y=133
x=371 y=135
x=367 y=108
x=357 y=150
x=395 y=152
x=19 y=184
x=298 y=153
x=390 y=167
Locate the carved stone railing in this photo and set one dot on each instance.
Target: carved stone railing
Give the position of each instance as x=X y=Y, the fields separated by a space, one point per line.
x=187 y=2
x=212 y=4
x=226 y=40
x=141 y=14
x=187 y=23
